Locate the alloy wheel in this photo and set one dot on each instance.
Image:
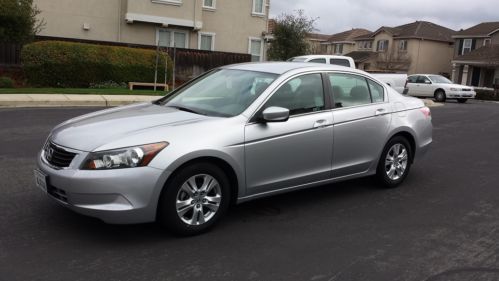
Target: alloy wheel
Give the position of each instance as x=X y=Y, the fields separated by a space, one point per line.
x=396 y=161
x=198 y=199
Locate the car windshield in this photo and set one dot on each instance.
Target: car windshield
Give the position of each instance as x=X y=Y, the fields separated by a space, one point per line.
x=221 y=93
x=439 y=79
x=297 y=59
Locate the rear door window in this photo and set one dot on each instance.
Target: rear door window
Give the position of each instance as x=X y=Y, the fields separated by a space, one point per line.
x=412 y=79
x=342 y=62
x=349 y=90
x=318 y=61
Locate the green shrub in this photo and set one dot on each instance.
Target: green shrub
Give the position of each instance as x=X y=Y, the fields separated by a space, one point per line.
x=6 y=82
x=485 y=94
x=65 y=64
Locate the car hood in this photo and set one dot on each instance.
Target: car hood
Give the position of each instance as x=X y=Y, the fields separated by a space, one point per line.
x=93 y=130
x=459 y=86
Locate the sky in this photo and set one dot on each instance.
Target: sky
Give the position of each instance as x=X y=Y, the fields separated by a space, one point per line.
x=340 y=15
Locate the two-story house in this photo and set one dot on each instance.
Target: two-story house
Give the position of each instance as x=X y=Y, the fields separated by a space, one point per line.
x=343 y=42
x=418 y=47
x=216 y=25
x=476 y=56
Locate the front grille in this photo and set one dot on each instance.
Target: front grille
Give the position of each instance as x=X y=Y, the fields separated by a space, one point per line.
x=466 y=90
x=57 y=156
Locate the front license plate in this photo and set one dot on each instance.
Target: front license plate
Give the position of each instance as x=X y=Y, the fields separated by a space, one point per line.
x=41 y=180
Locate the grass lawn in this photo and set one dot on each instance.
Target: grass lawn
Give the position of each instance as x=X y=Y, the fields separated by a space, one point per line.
x=80 y=91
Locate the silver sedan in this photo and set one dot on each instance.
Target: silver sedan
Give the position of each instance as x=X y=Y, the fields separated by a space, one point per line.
x=234 y=134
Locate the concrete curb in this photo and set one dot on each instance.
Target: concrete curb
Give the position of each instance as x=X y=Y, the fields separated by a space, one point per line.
x=431 y=103
x=60 y=100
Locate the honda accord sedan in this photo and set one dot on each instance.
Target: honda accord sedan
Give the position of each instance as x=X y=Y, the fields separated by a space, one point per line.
x=234 y=134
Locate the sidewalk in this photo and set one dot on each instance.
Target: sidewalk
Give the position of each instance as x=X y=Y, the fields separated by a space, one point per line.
x=57 y=100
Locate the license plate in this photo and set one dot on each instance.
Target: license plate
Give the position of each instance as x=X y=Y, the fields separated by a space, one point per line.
x=41 y=180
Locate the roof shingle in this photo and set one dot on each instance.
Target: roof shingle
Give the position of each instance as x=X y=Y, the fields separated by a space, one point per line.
x=417 y=30
x=482 y=29
x=348 y=35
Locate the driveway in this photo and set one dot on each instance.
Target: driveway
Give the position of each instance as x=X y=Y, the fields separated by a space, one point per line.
x=442 y=224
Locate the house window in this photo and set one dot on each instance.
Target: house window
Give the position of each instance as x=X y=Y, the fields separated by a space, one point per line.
x=172 y=38
x=206 y=41
x=338 y=48
x=403 y=45
x=255 y=49
x=382 y=45
x=365 y=45
x=467 y=44
x=486 y=42
x=209 y=4
x=258 y=7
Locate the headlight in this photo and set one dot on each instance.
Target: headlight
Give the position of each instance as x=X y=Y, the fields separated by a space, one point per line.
x=455 y=89
x=130 y=157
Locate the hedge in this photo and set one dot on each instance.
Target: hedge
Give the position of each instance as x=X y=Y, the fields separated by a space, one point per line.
x=6 y=82
x=485 y=94
x=66 y=64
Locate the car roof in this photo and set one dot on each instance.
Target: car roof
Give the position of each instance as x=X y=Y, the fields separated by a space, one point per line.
x=283 y=67
x=425 y=74
x=323 y=56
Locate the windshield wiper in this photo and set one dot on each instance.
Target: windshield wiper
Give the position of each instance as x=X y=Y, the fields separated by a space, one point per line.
x=186 y=109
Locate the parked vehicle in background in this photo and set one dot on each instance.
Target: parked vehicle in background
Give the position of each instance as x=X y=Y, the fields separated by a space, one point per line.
x=438 y=87
x=234 y=134
x=395 y=80
x=326 y=59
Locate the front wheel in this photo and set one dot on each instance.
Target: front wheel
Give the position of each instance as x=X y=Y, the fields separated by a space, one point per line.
x=440 y=96
x=395 y=162
x=194 y=199
x=462 y=100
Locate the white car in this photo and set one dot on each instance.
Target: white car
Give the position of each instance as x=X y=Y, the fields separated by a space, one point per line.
x=326 y=59
x=395 y=80
x=439 y=87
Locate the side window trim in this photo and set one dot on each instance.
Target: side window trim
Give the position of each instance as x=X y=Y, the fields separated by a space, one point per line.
x=327 y=107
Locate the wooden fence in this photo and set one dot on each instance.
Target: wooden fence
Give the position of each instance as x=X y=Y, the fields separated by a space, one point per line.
x=10 y=54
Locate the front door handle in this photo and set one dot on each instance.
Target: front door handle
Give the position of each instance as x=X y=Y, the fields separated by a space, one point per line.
x=320 y=123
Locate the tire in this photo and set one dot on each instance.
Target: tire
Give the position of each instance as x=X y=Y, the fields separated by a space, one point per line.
x=392 y=175
x=440 y=96
x=202 y=208
x=462 y=100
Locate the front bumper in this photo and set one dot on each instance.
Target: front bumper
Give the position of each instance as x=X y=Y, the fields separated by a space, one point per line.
x=461 y=95
x=121 y=196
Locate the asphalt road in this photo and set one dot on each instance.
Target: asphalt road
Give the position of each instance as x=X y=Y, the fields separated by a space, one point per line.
x=442 y=224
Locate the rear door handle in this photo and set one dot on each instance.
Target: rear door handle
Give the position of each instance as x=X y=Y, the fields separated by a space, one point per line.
x=320 y=123
x=380 y=112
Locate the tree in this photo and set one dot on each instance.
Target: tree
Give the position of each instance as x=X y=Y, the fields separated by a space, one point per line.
x=290 y=33
x=18 y=22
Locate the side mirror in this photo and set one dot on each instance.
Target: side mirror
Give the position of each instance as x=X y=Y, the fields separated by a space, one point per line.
x=275 y=114
x=427 y=81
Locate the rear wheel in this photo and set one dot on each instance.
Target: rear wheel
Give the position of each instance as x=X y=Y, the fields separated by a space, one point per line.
x=395 y=162
x=462 y=100
x=194 y=200
x=440 y=96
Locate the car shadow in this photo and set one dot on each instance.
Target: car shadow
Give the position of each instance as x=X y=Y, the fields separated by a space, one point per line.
x=279 y=207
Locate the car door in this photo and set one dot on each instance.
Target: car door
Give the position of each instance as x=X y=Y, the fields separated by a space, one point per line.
x=295 y=152
x=362 y=116
x=425 y=86
x=412 y=86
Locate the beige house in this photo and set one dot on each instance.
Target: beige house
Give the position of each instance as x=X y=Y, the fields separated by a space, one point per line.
x=343 y=43
x=216 y=25
x=418 y=47
x=316 y=42
x=476 y=56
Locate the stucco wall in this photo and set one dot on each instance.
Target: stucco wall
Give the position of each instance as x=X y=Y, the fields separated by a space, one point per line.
x=65 y=18
x=232 y=21
x=430 y=56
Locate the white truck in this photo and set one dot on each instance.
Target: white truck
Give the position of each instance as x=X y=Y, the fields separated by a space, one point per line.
x=394 y=80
